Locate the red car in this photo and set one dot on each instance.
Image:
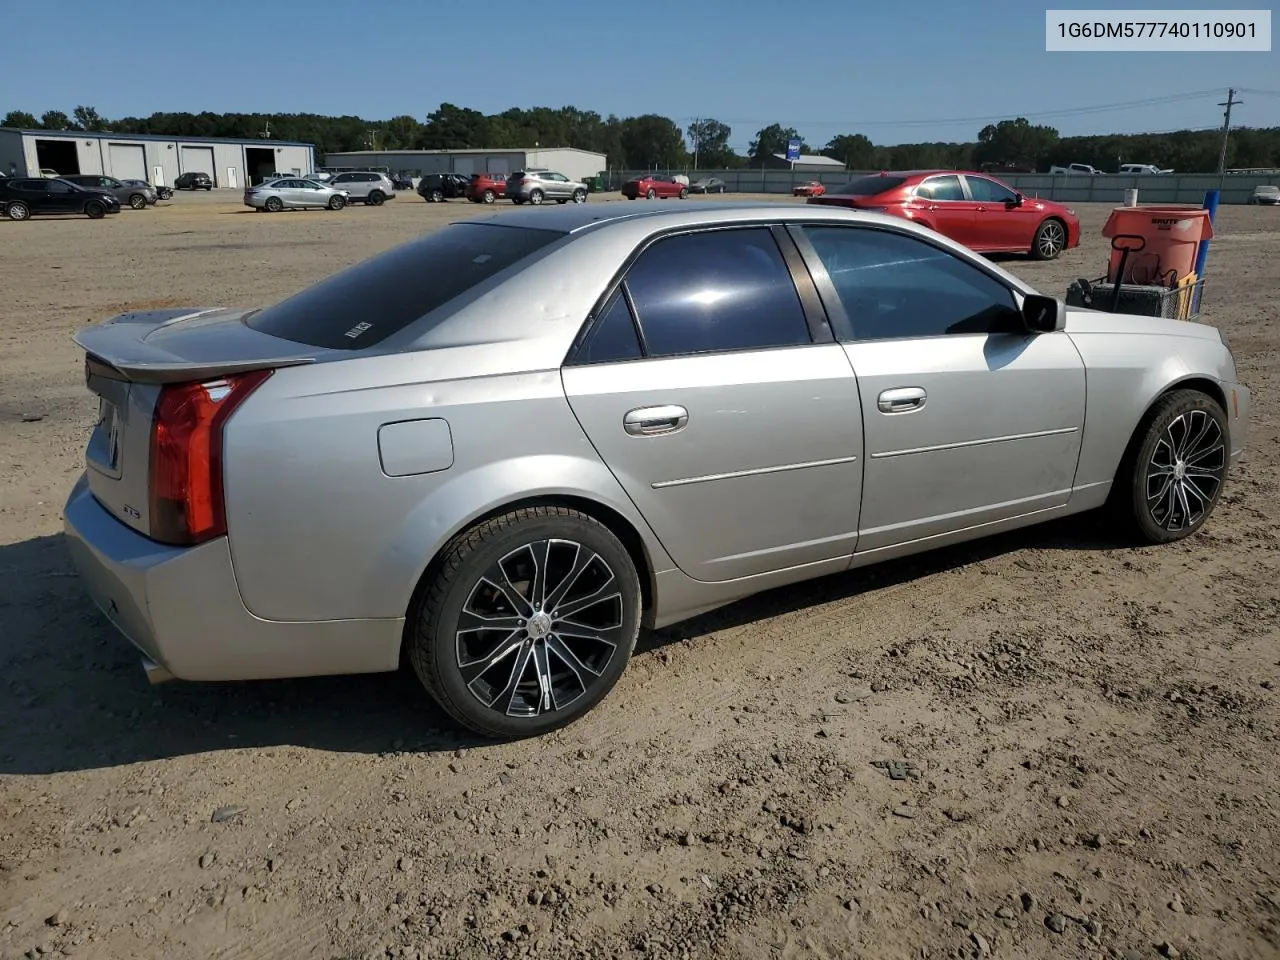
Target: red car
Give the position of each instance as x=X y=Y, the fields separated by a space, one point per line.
x=811 y=189
x=486 y=187
x=975 y=209
x=654 y=186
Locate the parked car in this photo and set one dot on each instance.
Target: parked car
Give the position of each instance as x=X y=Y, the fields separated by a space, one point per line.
x=654 y=186
x=707 y=185
x=1266 y=193
x=486 y=188
x=48 y=172
x=985 y=214
x=811 y=189
x=859 y=389
x=25 y=197
x=438 y=187
x=134 y=193
x=535 y=186
x=1077 y=168
x=162 y=192
x=402 y=181
x=294 y=194
x=367 y=186
x=193 y=181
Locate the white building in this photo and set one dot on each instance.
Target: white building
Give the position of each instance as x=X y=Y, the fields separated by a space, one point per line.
x=573 y=163
x=133 y=156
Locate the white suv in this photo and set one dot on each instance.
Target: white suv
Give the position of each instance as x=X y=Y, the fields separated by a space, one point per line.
x=365 y=187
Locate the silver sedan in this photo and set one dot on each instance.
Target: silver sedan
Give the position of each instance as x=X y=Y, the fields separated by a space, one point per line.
x=293 y=194
x=506 y=447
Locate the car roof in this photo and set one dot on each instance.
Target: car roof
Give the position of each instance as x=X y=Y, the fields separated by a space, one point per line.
x=583 y=217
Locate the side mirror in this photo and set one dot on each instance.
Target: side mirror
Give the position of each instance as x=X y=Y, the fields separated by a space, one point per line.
x=1043 y=314
x=1017 y=200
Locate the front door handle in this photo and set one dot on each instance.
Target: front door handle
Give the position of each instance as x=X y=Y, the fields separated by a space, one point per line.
x=901 y=400
x=652 y=421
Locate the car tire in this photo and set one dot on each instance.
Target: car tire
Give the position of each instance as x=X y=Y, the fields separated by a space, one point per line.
x=376 y=198
x=1174 y=470
x=95 y=210
x=579 y=196
x=17 y=210
x=137 y=201
x=489 y=196
x=1050 y=240
x=536 y=197
x=274 y=205
x=437 y=196
x=650 y=194
x=207 y=189
x=337 y=203
x=500 y=571
x=684 y=193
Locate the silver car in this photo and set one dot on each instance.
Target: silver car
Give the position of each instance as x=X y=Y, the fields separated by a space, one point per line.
x=367 y=186
x=538 y=186
x=507 y=446
x=293 y=194
x=133 y=193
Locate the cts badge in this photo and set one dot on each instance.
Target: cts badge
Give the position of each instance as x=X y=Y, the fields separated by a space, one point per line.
x=131 y=512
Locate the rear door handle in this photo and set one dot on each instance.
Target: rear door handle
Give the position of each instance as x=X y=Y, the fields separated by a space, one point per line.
x=652 y=421
x=901 y=400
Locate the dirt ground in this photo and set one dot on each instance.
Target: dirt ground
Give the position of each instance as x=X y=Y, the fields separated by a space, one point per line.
x=1043 y=745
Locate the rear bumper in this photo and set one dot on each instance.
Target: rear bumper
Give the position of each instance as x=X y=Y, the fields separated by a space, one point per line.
x=181 y=607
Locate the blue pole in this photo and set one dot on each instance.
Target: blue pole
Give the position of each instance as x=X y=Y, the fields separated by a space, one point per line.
x=1211 y=204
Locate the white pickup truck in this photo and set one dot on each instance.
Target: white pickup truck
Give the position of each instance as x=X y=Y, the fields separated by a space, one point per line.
x=1076 y=168
x=1142 y=168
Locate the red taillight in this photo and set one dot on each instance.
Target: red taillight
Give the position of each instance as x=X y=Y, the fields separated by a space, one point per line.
x=186 y=456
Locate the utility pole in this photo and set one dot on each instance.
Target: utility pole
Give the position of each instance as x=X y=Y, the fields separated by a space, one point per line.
x=1226 y=133
x=697 y=139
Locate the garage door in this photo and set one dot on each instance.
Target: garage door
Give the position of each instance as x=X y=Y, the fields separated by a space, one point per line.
x=128 y=161
x=464 y=165
x=199 y=160
x=497 y=166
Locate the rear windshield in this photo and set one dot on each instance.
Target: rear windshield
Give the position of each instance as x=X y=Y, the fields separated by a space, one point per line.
x=368 y=302
x=869 y=186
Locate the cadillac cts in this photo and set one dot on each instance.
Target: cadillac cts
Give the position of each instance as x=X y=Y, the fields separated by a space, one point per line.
x=506 y=446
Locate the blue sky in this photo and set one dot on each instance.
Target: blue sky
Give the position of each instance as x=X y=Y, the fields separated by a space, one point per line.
x=896 y=72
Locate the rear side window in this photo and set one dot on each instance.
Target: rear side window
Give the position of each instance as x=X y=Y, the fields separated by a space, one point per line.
x=869 y=186
x=716 y=291
x=368 y=302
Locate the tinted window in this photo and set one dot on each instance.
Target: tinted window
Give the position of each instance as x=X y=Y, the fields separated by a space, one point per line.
x=365 y=303
x=57 y=186
x=33 y=186
x=869 y=186
x=892 y=285
x=718 y=290
x=941 y=188
x=613 y=334
x=989 y=191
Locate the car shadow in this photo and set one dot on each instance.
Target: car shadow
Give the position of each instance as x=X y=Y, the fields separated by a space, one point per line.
x=76 y=697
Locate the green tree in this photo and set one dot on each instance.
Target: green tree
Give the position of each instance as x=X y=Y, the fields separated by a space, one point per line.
x=1015 y=142
x=401 y=133
x=55 y=120
x=771 y=141
x=87 y=118
x=20 y=119
x=853 y=150
x=709 y=143
x=455 y=128
x=651 y=141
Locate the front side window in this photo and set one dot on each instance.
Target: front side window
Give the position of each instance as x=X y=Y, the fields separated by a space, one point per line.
x=892 y=285
x=988 y=191
x=717 y=290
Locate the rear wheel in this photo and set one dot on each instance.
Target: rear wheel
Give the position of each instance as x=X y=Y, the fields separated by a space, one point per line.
x=536 y=197
x=137 y=201
x=489 y=196
x=274 y=205
x=95 y=210
x=1050 y=240
x=528 y=623
x=376 y=198
x=18 y=211
x=1172 y=475
x=337 y=203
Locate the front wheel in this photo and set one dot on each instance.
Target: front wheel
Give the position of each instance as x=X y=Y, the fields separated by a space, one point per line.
x=579 y=196
x=684 y=193
x=1173 y=474
x=337 y=203
x=1050 y=240
x=529 y=622
x=650 y=194
x=95 y=210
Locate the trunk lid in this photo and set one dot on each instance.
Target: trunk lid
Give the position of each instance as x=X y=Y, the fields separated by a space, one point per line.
x=128 y=361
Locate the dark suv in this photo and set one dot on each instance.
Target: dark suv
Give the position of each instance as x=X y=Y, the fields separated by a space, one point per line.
x=193 y=181
x=436 y=187
x=24 y=197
